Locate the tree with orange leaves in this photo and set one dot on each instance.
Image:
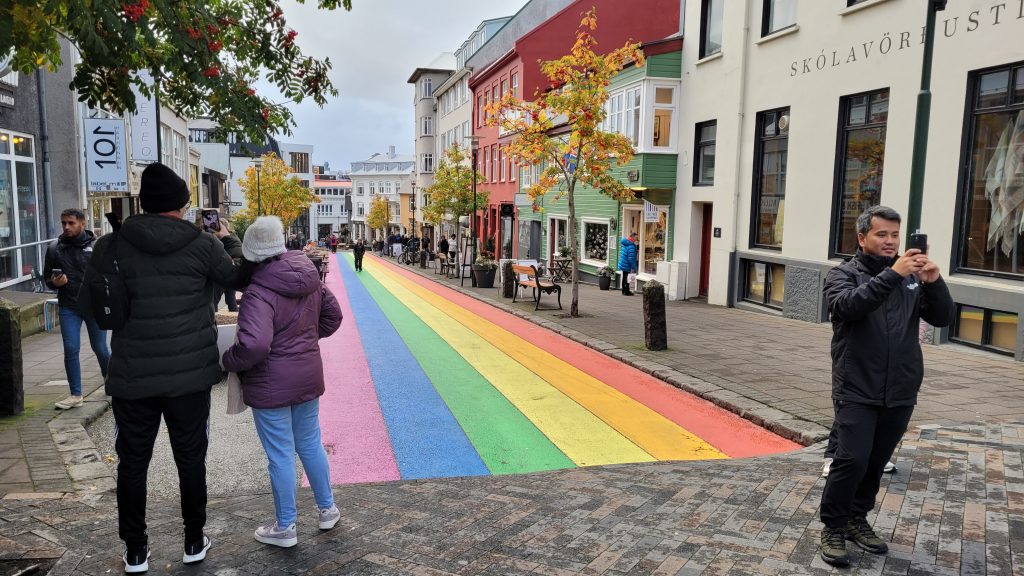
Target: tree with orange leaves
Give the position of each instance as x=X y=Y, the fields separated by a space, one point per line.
x=581 y=153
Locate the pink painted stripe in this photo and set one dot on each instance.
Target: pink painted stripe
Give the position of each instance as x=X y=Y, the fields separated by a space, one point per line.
x=351 y=424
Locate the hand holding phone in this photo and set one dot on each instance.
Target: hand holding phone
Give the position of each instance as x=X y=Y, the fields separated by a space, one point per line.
x=918 y=240
x=57 y=277
x=211 y=220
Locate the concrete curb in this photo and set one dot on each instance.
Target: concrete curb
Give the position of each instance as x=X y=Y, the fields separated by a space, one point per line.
x=786 y=425
x=85 y=465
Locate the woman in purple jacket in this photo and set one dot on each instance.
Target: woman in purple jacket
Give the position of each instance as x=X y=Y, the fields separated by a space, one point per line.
x=286 y=310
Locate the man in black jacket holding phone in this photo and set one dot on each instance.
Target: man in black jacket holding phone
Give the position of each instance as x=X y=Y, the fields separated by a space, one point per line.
x=876 y=299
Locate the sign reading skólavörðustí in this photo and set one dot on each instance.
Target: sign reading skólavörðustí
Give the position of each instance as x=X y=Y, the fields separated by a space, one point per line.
x=105 y=157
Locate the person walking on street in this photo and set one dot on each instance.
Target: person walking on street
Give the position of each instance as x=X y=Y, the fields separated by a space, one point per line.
x=165 y=358
x=627 y=261
x=358 y=251
x=334 y=243
x=277 y=355
x=876 y=300
x=64 y=269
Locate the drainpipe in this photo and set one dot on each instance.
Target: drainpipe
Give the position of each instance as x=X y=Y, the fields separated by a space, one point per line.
x=744 y=66
x=44 y=138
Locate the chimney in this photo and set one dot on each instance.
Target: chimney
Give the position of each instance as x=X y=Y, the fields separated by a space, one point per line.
x=391 y=151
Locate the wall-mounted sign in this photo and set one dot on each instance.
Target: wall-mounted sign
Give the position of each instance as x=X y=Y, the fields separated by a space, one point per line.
x=651 y=212
x=633 y=175
x=105 y=157
x=145 y=128
x=717 y=232
x=6 y=97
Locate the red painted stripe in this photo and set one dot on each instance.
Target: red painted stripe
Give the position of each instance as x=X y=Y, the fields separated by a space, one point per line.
x=730 y=433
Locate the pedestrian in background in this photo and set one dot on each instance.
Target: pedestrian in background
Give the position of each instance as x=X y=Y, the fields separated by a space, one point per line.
x=358 y=251
x=165 y=358
x=627 y=261
x=64 y=269
x=334 y=243
x=876 y=300
x=277 y=356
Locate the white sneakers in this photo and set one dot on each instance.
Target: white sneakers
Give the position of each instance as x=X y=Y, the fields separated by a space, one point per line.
x=890 y=468
x=68 y=403
x=286 y=537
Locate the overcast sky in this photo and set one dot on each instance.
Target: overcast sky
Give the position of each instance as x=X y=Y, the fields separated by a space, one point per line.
x=374 y=49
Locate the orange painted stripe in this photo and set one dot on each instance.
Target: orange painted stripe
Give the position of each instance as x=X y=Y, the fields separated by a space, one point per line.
x=728 y=432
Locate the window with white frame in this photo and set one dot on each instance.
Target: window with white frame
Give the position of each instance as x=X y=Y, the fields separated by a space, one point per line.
x=166 y=156
x=664 y=111
x=494 y=163
x=501 y=161
x=387 y=188
x=515 y=84
x=180 y=156
x=359 y=189
x=398 y=187
x=622 y=113
x=428 y=88
x=428 y=162
x=428 y=126
x=373 y=188
x=359 y=210
x=595 y=242
x=19 y=222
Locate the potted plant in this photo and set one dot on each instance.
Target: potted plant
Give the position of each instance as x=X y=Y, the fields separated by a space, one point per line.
x=604 y=277
x=563 y=250
x=484 y=269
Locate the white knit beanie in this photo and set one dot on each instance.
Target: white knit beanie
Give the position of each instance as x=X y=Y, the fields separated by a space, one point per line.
x=264 y=239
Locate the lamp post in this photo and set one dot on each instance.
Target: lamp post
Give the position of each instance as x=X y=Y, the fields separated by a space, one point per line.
x=924 y=106
x=474 y=143
x=257 y=163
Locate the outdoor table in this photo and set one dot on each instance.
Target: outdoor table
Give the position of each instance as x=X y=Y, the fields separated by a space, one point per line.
x=560 y=269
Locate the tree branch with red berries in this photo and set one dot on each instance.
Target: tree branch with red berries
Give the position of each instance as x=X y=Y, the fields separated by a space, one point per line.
x=204 y=54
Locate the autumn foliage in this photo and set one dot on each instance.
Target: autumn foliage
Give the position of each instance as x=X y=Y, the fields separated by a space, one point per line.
x=584 y=154
x=279 y=192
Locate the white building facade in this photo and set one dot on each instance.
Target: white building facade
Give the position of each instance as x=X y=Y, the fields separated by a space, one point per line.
x=384 y=174
x=425 y=116
x=331 y=215
x=796 y=116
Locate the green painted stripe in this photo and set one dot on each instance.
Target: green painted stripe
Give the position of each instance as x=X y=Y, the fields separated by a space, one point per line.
x=507 y=441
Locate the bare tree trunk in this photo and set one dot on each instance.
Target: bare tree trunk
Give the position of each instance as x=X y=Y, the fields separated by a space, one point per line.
x=574 y=308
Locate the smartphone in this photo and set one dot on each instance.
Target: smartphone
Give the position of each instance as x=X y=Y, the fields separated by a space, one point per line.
x=211 y=220
x=115 y=221
x=918 y=240
x=56 y=272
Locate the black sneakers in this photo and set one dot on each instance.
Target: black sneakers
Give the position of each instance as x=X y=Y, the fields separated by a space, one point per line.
x=833 y=546
x=136 y=560
x=860 y=533
x=196 y=551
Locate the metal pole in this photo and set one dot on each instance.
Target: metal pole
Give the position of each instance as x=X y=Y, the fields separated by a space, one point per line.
x=259 y=195
x=924 y=105
x=473 y=217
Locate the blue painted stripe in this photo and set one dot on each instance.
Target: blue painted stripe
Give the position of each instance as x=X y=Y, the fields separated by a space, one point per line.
x=426 y=438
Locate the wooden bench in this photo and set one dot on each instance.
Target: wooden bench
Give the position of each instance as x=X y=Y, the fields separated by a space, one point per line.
x=528 y=277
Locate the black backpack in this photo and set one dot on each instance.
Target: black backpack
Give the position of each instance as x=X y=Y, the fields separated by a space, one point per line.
x=108 y=295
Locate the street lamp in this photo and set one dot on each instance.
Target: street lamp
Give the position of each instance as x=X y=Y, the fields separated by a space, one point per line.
x=257 y=163
x=924 y=106
x=474 y=144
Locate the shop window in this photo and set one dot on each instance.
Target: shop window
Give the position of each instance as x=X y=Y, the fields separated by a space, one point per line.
x=653 y=245
x=711 y=12
x=765 y=284
x=559 y=229
x=984 y=328
x=771 y=156
x=704 y=150
x=595 y=242
x=993 y=234
x=859 y=164
x=19 y=223
x=777 y=15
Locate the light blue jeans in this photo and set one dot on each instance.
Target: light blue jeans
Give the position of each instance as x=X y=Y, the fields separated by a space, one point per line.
x=283 y=433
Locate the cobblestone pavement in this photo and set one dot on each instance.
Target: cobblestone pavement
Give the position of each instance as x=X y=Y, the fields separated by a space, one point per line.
x=956 y=506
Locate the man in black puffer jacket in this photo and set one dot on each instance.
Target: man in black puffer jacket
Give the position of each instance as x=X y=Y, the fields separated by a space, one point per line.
x=877 y=301
x=63 y=269
x=165 y=358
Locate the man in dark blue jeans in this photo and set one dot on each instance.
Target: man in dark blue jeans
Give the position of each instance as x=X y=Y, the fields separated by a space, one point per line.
x=64 y=269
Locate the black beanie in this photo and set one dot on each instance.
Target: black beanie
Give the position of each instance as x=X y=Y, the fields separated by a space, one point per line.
x=162 y=190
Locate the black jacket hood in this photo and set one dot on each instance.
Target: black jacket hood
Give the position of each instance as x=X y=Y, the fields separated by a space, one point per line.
x=156 y=234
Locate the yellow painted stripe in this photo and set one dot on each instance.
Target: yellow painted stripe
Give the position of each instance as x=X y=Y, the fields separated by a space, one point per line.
x=657 y=435
x=579 y=434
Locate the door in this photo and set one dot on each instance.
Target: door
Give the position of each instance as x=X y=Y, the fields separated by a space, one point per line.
x=705 y=252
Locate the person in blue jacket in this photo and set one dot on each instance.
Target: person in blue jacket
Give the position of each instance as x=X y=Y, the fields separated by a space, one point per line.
x=627 y=261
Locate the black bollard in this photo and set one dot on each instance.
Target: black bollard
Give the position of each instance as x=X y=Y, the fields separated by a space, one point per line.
x=508 y=281
x=655 y=330
x=12 y=390
x=423 y=258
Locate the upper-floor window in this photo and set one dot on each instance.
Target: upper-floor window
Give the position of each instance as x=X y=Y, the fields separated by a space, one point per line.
x=771 y=157
x=480 y=110
x=664 y=110
x=704 y=154
x=622 y=114
x=501 y=161
x=777 y=14
x=427 y=86
x=373 y=188
x=387 y=188
x=359 y=190
x=504 y=88
x=428 y=162
x=992 y=240
x=398 y=187
x=861 y=154
x=300 y=162
x=428 y=126
x=711 y=12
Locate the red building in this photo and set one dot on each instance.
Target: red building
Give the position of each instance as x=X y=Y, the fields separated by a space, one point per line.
x=518 y=71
